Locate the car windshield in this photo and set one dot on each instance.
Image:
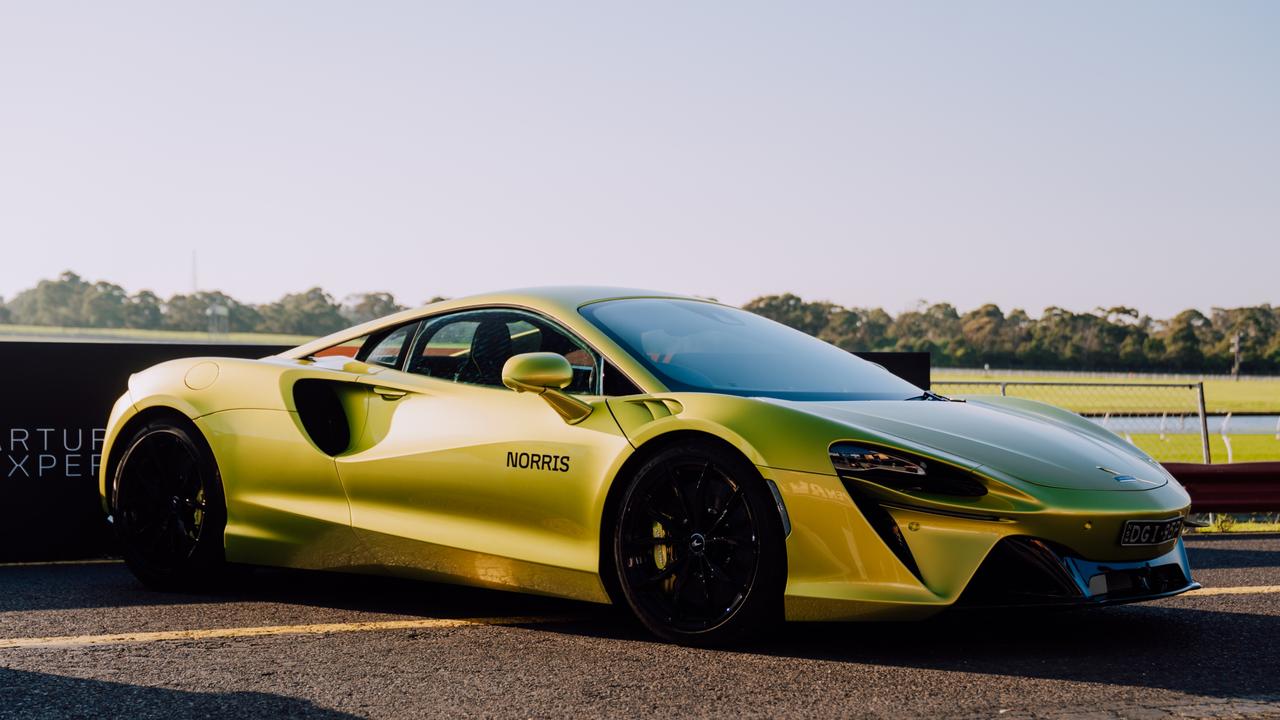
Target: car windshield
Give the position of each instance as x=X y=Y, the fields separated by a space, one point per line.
x=696 y=346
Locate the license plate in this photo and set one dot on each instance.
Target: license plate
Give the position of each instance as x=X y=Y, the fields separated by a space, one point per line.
x=1150 y=532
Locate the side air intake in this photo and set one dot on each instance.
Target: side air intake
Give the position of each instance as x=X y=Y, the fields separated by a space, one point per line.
x=322 y=415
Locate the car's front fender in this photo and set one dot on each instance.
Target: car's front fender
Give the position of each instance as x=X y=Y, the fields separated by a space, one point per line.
x=768 y=434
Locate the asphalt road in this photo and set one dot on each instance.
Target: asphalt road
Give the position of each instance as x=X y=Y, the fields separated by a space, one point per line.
x=380 y=648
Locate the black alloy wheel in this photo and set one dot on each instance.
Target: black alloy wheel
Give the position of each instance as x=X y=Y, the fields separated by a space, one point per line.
x=698 y=546
x=168 y=508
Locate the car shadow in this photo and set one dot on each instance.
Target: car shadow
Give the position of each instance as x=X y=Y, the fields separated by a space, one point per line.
x=93 y=586
x=1156 y=645
x=39 y=695
x=1222 y=551
x=1204 y=652
x=1198 y=652
x=1226 y=558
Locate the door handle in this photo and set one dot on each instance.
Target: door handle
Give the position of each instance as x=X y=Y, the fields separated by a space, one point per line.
x=389 y=393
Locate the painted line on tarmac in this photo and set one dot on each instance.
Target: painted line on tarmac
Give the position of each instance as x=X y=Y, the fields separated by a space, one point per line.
x=69 y=641
x=1243 y=590
x=46 y=563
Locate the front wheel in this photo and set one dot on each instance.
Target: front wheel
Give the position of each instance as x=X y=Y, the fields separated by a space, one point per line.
x=168 y=507
x=698 y=546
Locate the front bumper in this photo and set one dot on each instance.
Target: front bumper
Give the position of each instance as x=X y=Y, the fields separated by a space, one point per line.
x=1023 y=572
x=878 y=558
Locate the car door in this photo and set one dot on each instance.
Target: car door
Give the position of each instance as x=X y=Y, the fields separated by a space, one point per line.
x=454 y=475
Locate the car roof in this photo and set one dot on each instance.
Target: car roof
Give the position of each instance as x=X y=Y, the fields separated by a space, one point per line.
x=569 y=297
x=560 y=301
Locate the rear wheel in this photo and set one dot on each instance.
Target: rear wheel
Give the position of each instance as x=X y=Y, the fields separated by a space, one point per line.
x=698 y=546
x=168 y=507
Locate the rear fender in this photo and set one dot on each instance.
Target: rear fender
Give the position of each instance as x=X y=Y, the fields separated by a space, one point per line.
x=121 y=413
x=201 y=386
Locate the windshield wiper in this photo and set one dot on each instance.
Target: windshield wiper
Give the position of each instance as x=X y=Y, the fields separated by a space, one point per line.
x=930 y=395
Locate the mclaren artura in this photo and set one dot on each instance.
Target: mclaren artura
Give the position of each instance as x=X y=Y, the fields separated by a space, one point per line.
x=711 y=470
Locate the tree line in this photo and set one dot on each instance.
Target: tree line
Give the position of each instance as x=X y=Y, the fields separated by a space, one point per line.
x=1117 y=338
x=1108 y=339
x=71 y=301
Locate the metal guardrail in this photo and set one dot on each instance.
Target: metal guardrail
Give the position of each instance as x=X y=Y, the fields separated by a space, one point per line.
x=1236 y=488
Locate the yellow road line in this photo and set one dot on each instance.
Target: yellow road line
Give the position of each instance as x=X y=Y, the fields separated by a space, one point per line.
x=1244 y=590
x=66 y=641
x=43 y=563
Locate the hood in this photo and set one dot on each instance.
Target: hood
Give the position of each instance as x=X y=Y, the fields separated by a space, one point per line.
x=1038 y=449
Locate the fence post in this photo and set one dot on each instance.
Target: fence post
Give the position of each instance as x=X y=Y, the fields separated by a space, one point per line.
x=1204 y=421
x=1225 y=439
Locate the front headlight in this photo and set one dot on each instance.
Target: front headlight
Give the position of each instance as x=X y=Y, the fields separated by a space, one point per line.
x=861 y=459
x=902 y=471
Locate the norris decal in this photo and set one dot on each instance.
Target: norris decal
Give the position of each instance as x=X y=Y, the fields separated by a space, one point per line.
x=538 y=461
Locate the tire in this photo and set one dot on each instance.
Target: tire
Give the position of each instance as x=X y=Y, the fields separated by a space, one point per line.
x=168 y=508
x=698 y=546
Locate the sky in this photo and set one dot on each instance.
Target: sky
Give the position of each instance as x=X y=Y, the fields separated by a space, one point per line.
x=1074 y=154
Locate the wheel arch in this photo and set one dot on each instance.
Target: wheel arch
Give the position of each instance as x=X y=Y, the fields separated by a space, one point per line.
x=651 y=447
x=113 y=452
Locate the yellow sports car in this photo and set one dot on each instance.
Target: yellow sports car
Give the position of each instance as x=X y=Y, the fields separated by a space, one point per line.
x=710 y=469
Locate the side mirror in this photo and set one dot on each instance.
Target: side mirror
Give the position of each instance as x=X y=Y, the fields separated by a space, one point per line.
x=545 y=373
x=536 y=372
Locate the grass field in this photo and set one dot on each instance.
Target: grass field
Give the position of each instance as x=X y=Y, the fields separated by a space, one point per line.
x=61 y=334
x=1221 y=395
x=1186 y=448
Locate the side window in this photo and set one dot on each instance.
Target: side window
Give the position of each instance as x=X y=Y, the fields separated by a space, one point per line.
x=443 y=348
x=525 y=338
x=348 y=349
x=617 y=384
x=585 y=368
x=388 y=350
x=471 y=347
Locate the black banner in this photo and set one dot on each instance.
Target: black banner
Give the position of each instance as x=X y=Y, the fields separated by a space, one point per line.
x=54 y=401
x=910 y=366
